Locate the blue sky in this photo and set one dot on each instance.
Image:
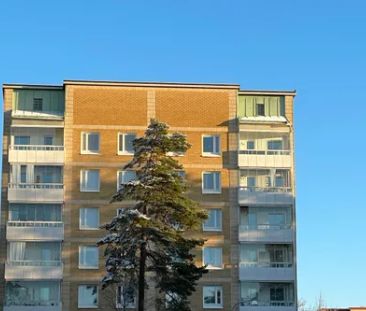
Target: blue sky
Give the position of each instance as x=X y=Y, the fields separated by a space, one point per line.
x=316 y=47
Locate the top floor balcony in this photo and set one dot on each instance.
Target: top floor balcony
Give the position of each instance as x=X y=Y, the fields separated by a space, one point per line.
x=38 y=104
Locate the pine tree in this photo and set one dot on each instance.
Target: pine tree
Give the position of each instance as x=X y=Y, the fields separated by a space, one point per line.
x=151 y=238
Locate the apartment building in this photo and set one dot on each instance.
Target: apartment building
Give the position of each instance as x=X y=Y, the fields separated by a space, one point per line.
x=63 y=152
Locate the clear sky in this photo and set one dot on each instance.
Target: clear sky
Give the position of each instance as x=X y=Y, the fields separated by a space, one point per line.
x=317 y=47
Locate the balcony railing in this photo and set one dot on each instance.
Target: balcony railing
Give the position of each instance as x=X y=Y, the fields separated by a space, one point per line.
x=39 y=224
x=265 y=195
x=38 y=114
x=37 y=147
x=42 y=306
x=36 y=263
x=36 y=192
x=266 y=233
x=265 y=158
x=266 y=152
x=35 y=186
x=273 y=303
x=272 y=264
x=33 y=270
x=35 y=230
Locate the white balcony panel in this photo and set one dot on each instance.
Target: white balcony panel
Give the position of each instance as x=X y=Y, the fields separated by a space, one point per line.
x=35 y=192
x=269 y=235
x=36 y=154
x=28 y=114
x=255 y=273
x=267 y=308
x=34 y=230
x=33 y=308
x=30 y=271
x=263 y=196
x=282 y=160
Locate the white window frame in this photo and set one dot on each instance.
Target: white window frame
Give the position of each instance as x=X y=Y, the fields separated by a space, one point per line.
x=210 y=267
x=84 y=267
x=124 y=151
x=87 y=151
x=217 y=228
x=88 y=306
x=215 y=305
x=81 y=181
x=118 y=181
x=211 y=191
x=80 y=218
x=129 y=305
x=211 y=154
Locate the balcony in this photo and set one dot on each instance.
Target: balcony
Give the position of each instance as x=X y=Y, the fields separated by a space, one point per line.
x=35 y=230
x=57 y=307
x=266 y=233
x=265 y=195
x=265 y=158
x=32 y=114
x=285 y=306
x=36 y=154
x=33 y=270
x=273 y=271
x=35 y=192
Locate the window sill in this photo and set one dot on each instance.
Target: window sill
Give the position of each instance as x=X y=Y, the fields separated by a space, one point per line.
x=89 y=229
x=212 y=229
x=125 y=153
x=90 y=153
x=214 y=268
x=212 y=307
x=211 y=192
x=88 y=268
x=84 y=190
x=88 y=307
x=211 y=155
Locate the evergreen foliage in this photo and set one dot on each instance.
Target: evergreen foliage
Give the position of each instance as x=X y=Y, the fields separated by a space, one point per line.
x=151 y=237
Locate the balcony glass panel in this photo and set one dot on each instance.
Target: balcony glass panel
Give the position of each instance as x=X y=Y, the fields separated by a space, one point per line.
x=266 y=255
x=264 y=143
x=35 y=212
x=265 y=180
x=266 y=294
x=265 y=218
x=25 y=293
x=34 y=253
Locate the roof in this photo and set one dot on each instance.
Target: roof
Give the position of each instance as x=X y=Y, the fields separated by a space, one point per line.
x=267 y=92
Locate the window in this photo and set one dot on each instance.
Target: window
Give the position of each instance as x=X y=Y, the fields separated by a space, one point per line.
x=37 y=104
x=88 y=257
x=48 y=140
x=123 y=177
x=212 y=257
x=181 y=173
x=89 y=218
x=23 y=173
x=277 y=294
x=89 y=181
x=274 y=145
x=214 y=220
x=212 y=297
x=211 y=182
x=251 y=181
x=21 y=140
x=126 y=297
x=125 y=143
x=89 y=143
x=210 y=145
x=277 y=220
x=260 y=110
x=250 y=145
x=87 y=296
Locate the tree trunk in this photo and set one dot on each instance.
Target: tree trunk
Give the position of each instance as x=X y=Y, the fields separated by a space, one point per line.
x=141 y=281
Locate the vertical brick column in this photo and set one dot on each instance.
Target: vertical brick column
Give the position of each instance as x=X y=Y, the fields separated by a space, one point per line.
x=150 y=105
x=66 y=249
x=8 y=100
